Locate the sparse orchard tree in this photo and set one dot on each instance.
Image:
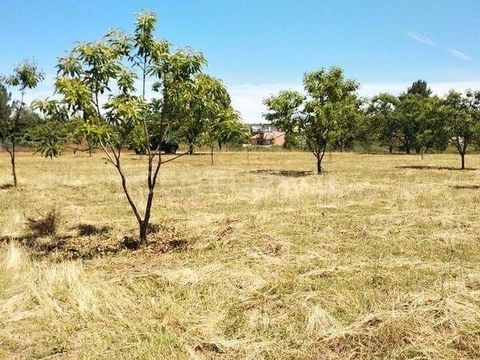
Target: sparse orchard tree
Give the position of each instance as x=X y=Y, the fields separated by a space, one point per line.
x=411 y=111
x=15 y=117
x=98 y=83
x=330 y=97
x=330 y=101
x=462 y=118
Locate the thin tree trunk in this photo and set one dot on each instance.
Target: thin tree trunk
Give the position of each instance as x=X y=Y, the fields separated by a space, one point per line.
x=462 y=155
x=319 y=164
x=12 y=160
x=190 y=149
x=143 y=233
x=211 y=155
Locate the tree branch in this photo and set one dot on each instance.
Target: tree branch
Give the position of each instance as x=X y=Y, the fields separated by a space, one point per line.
x=174 y=158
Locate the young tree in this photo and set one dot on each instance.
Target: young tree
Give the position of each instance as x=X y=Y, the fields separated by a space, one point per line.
x=284 y=112
x=462 y=120
x=330 y=98
x=331 y=102
x=108 y=69
x=16 y=118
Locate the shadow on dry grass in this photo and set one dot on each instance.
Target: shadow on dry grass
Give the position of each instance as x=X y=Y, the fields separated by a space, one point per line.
x=6 y=186
x=286 y=173
x=465 y=187
x=426 y=167
x=93 y=242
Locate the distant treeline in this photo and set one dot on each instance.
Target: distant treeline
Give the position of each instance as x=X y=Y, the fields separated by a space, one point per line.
x=331 y=115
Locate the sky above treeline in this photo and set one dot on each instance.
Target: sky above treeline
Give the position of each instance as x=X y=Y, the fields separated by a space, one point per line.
x=258 y=47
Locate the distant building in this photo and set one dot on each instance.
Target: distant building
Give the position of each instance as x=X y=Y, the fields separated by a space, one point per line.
x=266 y=134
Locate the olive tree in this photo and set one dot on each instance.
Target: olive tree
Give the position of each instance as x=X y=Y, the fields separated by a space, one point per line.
x=15 y=118
x=106 y=83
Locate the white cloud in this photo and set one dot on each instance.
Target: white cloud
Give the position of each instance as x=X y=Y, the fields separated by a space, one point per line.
x=421 y=38
x=459 y=54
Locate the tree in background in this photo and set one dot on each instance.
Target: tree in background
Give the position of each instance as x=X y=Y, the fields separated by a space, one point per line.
x=382 y=119
x=420 y=88
x=284 y=112
x=462 y=119
x=331 y=102
x=350 y=126
x=433 y=134
x=329 y=97
x=15 y=118
x=203 y=100
x=404 y=117
x=109 y=69
x=224 y=128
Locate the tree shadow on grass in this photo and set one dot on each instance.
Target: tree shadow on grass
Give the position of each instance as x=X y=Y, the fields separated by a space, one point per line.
x=426 y=167
x=286 y=173
x=6 y=186
x=465 y=187
x=93 y=242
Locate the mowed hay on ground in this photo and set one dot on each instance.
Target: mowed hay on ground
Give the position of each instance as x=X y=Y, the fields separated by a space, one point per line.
x=378 y=258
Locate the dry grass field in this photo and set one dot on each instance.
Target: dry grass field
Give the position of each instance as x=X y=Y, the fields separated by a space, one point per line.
x=252 y=258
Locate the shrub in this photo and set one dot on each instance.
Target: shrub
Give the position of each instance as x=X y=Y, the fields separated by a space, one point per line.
x=45 y=225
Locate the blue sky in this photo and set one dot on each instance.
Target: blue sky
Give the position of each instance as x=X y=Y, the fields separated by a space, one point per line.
x=260 y=46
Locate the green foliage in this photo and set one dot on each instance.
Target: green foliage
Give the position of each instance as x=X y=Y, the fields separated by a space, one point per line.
x=420 y=88
x=225 y=128
x=48 y=137
x=25 y=76
x=15 y=118
x=206 y=111
x=461 y=116
x=324 y=116
x=382 y=119
x=284 y=112
x=5 y=113
x=408 y=122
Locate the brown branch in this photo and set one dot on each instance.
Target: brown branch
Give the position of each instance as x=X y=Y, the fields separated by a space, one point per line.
x=107 y=153
x=174 y=158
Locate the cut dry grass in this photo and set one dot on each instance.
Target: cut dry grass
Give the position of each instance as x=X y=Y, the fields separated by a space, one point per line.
x=376 y=259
